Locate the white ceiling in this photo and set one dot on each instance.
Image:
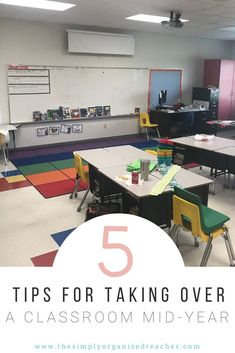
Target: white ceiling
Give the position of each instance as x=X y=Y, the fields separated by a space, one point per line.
x=206 y=17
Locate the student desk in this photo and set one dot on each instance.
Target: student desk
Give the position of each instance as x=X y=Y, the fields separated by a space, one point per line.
x=216 y=154
x=9 y=128
x=99 y=157
x=110 y=157
x=204 y=152
x=219 y=125
x=229 y=151
x=215 y=144
x=108 y=163
x=129 y=154
x=227 y=154
x=157 y=209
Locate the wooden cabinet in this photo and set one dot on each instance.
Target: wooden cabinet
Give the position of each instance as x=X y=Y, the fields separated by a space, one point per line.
x=221 y=73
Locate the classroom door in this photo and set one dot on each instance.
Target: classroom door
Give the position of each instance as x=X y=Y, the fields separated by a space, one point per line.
x=169 y=80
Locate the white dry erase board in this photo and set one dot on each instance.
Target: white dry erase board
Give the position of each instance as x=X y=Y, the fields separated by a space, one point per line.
x=39 y=88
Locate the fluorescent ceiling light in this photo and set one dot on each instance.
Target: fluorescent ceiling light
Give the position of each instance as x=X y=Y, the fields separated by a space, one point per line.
x=230 y=29
x=150 y=18
x=39 y=4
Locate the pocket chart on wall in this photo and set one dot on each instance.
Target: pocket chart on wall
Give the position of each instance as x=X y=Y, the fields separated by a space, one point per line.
x=41 y=88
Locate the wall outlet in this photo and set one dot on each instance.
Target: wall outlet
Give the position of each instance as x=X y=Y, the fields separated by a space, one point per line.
x=105 y=126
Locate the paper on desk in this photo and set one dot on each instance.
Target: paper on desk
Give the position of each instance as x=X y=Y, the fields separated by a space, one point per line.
x=127 y=180
x=199 y=137
x=166 y=179
x=135 y=166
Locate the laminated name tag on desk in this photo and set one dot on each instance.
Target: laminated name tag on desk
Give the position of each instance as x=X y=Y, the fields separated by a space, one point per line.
x=166 y=179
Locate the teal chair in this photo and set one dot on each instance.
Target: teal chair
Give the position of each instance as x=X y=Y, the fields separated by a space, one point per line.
x=202 y=221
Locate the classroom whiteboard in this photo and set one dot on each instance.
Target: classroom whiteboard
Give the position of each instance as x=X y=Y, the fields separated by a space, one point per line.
x=39 y=88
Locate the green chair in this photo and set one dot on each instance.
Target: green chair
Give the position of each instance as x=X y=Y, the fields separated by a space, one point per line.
x=203 y=222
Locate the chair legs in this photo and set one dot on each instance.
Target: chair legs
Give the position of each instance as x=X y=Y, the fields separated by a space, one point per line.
x=147 y=133
x=174 y=234
x=196 y=242
x=207 y=252
x=5 y=155
x=7 y=150
x=158 y=133
x=228 y=183
x=173 y=231
x=229 y=247
x=82 y=200
x=75 y=193
x=233 y=185
x=212 y=189
x=75 y=190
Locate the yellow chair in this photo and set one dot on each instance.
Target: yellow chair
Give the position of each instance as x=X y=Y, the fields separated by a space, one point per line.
x=202 y=221
x=82 y=174
x=145 y=123
x=4 y=140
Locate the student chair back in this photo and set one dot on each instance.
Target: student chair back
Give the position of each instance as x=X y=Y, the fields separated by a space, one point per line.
x=202 y=221
x=81 y=168
x=82 y=174
x=145 y=120
x=145 y=123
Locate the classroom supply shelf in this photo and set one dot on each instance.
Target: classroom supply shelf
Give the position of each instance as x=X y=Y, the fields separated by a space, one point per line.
x=84 y=119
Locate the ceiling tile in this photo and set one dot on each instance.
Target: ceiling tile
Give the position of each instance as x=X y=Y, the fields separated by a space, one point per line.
x=204 y=15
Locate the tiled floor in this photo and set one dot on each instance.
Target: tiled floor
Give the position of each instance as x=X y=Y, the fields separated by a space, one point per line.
x=28 y=220
x=31 y=225
x=223 y=201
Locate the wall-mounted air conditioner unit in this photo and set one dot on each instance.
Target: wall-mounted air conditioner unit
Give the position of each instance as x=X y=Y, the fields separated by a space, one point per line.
x=88 y=42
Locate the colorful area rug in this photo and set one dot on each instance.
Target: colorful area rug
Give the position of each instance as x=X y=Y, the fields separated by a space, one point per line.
x=51 y=169
x=52 y=175
x=47 y=259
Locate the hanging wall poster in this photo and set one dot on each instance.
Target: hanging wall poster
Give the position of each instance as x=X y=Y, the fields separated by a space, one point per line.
x=118 y=284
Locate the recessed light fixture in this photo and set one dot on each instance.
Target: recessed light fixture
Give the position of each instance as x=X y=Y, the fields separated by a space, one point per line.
x=150 y=18
x=230 y=29
x=39 y=4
